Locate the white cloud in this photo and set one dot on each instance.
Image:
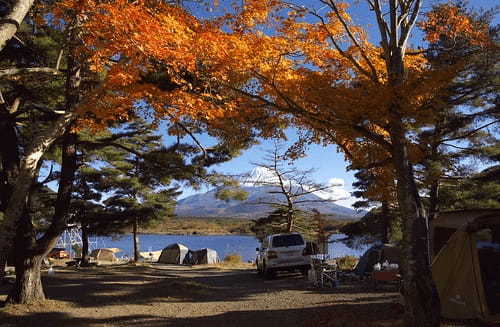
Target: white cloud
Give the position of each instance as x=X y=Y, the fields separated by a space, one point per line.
x=337 y=193
x=334 y=193
x=337 y=182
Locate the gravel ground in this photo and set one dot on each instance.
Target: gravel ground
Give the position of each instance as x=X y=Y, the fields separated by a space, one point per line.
x=167 y=295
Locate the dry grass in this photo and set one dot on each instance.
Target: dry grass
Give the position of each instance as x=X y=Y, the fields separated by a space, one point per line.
x=226 y=266
x=232 y=258
x=347 y=262
x=202 y=226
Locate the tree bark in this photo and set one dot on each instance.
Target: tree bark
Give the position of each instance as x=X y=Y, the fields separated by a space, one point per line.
x=3 y=265
x=29 y=252
x=85 y=244
x=10 y=23
x=387 y=222
x=9 y=155
x=28 y=286
x=28 y=170
x=136 y=241
x=433 y=214
x=422 y=300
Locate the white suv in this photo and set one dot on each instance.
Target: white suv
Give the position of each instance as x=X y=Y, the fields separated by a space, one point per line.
x=283 y=252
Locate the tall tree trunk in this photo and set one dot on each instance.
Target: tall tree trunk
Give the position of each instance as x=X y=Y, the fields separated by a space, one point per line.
x=434 y=185
x=28 y=170
x=9 y=155
x=136 y=241
x=3 y=265
x=10 y=160
x=422 y=300
x=433 y=214
x=386 y=223
x=28 y=286
x=85 y=244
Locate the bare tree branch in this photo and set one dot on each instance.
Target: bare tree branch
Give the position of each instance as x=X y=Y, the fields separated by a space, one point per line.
x=339 y=49
x=470 y=133
x=11 y=22
x=382 y=25
x=374 y=75
x=17 y=71
x=405 y=30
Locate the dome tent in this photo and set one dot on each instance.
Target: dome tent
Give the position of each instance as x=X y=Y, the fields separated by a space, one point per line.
x=105 y=254
x=205 y=256
x=466 y=268
x=174 y=254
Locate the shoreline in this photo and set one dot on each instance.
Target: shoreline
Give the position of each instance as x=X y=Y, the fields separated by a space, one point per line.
x=190 y=234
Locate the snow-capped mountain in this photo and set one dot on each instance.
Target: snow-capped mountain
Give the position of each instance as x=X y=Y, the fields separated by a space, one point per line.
x=258 y=185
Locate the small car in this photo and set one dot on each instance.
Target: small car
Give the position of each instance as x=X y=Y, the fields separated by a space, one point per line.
x=283 y=252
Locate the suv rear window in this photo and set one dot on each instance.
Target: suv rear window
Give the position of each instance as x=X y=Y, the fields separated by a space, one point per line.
x=287 y=240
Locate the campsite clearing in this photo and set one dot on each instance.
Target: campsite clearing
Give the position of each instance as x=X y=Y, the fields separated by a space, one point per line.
x=173 y=295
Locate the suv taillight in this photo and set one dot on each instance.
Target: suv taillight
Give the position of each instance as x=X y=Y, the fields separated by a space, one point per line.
x=272 y=254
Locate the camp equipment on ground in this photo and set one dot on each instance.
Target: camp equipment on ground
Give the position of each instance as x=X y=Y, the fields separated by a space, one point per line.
x=374 y=256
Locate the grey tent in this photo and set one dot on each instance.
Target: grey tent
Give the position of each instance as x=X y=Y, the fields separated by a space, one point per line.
x=377 y=253
x=205 y=256
x=174 y=254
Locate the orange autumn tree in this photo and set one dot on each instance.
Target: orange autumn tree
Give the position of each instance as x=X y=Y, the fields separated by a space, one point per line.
x=127 y=71
x=319 y=67
x=167 y=73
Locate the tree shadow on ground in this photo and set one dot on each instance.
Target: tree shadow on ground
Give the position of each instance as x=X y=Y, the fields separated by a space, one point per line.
x=146 y=285
x=339 y=315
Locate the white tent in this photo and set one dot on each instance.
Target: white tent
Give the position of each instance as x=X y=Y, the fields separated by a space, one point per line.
x=205 y=256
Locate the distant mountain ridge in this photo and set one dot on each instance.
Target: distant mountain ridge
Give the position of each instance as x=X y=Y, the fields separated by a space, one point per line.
x=206 y=205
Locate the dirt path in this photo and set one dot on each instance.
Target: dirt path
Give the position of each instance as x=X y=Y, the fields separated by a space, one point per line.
x=161 y=295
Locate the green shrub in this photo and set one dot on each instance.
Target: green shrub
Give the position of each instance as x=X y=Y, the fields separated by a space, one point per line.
x=232 y=258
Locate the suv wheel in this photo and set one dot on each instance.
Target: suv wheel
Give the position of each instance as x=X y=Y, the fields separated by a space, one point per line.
x=268 y=274
x=259 y=269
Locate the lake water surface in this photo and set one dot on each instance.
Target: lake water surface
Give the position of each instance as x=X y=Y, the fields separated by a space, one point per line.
x=223 y=244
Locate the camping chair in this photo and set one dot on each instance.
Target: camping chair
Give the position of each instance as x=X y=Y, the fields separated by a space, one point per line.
x=324 y=274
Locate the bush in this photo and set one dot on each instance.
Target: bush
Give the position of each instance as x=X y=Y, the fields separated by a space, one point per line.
x=347 y=262
x=232 y=258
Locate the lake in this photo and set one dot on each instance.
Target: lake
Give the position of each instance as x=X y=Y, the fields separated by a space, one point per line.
x=223 y=244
